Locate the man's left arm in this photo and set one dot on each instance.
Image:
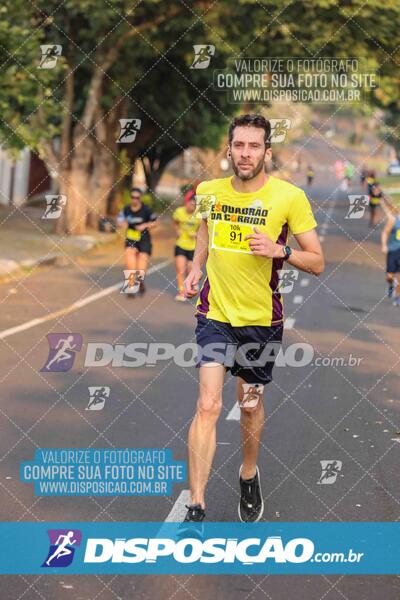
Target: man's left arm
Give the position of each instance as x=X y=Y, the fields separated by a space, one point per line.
x=309 y=258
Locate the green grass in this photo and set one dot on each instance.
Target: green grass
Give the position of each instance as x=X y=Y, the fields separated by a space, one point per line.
x=389 y=180
x=395 y=199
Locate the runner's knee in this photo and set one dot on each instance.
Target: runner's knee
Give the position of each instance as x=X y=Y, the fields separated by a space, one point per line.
x=209 y=403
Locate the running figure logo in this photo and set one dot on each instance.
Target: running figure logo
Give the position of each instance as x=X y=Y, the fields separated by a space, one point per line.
x=252 y=392
x=132 y=280
x=330 y=471
x=50 y=53
x=129 y=129
x=202 y=56
x=357 y=207
x=97 y=397
x=62 y=547
x=62 y=351
x=279 y=129
x=204 y=205
x=287 y=278
x=55 y=204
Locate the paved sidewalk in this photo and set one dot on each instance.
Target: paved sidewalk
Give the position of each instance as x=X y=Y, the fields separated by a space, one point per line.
x=27 y=240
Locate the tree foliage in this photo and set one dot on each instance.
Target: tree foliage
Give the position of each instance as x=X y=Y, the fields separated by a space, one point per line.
x=121 y=60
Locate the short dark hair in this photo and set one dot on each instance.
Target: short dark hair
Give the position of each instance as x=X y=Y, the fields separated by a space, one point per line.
x=136 y=189
x=252 y=120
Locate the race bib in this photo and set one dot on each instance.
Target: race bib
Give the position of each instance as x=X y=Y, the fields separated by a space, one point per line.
x=132 y=234
x=398 y=234
x=230 y=236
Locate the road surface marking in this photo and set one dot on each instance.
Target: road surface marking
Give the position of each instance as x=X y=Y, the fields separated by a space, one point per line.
x=234 y=413
x=289 y=323
x=178 y=511
x=297 y=299
x=74 y=306
x=304 y=282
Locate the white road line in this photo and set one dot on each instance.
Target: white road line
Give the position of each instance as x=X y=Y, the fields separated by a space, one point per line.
x=304 y=282
x=234 y=413
x=297 y=299
x=289 y=323
x=178 y=511
x=64 y=311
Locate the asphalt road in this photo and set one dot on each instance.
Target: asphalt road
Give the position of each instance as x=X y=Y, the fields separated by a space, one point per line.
x=328 y=412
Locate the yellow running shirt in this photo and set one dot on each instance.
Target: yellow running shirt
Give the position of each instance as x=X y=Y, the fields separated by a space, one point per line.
x=188 y=224
x=239 y=288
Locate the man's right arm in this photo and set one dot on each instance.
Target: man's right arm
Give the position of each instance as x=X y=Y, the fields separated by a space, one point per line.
x=200 y=256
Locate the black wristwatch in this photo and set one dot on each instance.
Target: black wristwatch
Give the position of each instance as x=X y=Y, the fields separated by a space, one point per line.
x=287 y=252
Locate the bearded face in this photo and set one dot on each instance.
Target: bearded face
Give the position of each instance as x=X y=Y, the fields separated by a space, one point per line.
x=248 y=152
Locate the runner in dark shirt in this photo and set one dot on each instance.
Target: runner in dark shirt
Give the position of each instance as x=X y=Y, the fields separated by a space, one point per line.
x=139 y=220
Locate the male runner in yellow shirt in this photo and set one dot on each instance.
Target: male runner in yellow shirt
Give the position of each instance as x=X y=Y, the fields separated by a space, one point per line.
x=243 y=241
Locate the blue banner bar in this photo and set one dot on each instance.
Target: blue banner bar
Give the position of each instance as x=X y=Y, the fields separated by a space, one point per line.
x=213 y=548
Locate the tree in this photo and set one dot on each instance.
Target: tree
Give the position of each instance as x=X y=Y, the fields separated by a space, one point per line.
x=119 y=62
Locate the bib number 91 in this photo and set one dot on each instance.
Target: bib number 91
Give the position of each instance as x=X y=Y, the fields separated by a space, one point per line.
x=231 y=236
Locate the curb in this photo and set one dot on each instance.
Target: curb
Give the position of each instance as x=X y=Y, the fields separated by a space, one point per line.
x=11 y=267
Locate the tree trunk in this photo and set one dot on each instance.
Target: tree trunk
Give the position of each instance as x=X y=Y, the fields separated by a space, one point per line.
x=77 y=192
x=152 y=172
x=75 y=184
x=152 y=179
x=102 y=183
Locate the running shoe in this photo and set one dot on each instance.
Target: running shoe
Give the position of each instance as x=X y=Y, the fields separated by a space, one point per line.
x=192 y=525
x=142 y=289
x=180 y=297
x=396 y=301
x=390 y=289
x=251 y=504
